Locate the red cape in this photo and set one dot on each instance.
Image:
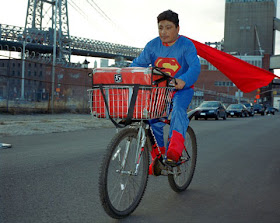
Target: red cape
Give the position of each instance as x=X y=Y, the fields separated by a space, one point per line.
x=245 y=76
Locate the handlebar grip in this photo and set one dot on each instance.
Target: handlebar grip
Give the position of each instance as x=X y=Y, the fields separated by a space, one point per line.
x=160 y=80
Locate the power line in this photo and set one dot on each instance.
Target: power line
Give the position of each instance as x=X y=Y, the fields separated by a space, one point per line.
x=78 y=9
x=89 y=19
x=81 y=9
x=96 y=7
x=100 y=11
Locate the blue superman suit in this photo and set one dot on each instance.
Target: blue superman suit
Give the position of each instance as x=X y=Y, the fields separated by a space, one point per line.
x=179 y=60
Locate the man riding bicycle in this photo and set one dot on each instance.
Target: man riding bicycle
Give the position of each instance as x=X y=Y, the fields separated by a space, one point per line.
x=178 y=56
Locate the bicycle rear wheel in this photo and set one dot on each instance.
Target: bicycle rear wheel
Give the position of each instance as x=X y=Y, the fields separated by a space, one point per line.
x=121 y=187
x=183 y=174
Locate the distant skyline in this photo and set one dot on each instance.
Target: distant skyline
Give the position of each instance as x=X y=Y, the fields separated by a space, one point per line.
x=132 y=22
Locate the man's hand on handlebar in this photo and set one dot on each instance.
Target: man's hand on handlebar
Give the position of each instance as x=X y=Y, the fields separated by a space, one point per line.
x=179 y=84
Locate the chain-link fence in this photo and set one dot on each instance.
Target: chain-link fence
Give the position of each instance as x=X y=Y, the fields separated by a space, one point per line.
x=27 y=86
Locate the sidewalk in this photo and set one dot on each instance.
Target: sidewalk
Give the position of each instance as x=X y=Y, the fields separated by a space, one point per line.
x=12 y=125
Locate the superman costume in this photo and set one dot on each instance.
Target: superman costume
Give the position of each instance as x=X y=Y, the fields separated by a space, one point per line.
x=180 y=61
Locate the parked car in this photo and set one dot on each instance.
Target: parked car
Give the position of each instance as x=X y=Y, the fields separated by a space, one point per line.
x=238 y=110
x=211 y=109
x=259 y=109
x=270 y=110
x=250 y=108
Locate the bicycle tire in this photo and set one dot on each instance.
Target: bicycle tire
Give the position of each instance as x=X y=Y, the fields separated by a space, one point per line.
x=180 y=182
x=122 y=201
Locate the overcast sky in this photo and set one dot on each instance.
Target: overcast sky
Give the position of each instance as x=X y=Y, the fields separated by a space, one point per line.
x=133 y=22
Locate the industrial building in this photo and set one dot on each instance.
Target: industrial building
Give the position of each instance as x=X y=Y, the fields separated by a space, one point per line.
x=249 y=27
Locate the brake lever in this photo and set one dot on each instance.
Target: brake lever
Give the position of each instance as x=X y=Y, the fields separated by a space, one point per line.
x=160 y=72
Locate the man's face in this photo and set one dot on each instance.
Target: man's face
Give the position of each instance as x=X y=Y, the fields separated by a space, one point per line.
x=168 y=32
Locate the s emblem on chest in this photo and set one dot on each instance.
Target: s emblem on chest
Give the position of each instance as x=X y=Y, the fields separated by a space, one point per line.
x=171 y=65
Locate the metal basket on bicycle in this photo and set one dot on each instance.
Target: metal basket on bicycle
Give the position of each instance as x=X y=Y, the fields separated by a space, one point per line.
x=115 y=95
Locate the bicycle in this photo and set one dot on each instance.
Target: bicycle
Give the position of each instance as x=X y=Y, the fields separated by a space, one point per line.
x=124 y=169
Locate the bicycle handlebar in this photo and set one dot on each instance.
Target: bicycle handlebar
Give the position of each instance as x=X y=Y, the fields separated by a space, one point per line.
x=166 y=76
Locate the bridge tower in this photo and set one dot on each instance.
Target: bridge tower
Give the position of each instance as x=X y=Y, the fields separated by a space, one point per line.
x=47 y=23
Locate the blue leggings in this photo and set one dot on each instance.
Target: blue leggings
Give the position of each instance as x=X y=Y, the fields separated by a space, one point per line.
x=179 y=118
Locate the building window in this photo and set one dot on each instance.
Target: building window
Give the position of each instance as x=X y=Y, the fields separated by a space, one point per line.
x=224 y=84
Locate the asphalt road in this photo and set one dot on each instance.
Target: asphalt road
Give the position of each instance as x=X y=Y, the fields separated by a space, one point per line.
x=53 y=177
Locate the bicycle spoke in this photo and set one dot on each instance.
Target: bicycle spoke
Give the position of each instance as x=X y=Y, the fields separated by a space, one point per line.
x=121 y=195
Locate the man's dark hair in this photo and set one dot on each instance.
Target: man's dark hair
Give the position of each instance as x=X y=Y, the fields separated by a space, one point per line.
x=169 y=15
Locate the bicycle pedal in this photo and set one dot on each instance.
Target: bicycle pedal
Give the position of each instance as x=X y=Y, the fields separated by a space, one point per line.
x=171 y=163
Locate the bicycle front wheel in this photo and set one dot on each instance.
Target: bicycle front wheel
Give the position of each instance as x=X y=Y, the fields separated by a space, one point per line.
x=122 y=182
x=183 y=174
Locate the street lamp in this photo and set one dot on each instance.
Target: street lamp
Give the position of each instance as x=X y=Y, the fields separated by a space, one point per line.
x=85 y=64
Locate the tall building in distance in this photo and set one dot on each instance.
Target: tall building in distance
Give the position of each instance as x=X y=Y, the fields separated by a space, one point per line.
x=104 y=63
x=249 y=34
x=249 y=27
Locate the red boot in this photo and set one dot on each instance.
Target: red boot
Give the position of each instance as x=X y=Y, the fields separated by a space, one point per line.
x=156 y=152
x=176 y=146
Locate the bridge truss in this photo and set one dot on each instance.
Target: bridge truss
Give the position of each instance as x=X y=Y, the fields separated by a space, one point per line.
x=40 y=43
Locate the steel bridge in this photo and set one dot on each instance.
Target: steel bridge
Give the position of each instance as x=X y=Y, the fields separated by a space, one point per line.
x=14 y=38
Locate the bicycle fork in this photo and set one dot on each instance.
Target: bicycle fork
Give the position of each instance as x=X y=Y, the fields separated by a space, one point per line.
x=141 y=140
x=140 y=143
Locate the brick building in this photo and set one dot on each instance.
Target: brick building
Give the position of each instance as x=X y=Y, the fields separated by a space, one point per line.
x=213 y=85
x=11 y=79
x=70 y=86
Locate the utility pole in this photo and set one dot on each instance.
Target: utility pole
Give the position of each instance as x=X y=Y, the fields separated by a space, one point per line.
x=23 y=69
x=54 y=55
x=238 y=96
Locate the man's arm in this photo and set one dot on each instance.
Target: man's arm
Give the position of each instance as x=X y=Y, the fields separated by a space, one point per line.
x=143 y=60
x=191 y=76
